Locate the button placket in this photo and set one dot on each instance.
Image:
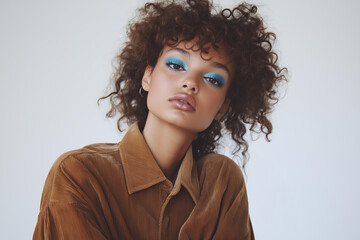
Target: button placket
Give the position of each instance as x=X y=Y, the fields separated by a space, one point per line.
x=163 y=219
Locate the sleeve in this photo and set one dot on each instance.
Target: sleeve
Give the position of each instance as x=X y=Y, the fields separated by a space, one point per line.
x=66 y=221
x=66 y=210
x=221 y=211
x=234 y=220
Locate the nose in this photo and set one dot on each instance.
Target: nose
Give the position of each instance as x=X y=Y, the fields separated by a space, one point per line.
x=190 y=85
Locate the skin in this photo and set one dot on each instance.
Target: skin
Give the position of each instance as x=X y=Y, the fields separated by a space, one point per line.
x=171 y=125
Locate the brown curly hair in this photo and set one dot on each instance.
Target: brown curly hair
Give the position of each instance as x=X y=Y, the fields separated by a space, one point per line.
x=239 y=31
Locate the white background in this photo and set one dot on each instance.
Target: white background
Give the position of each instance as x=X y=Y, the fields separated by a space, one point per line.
x=55 y=61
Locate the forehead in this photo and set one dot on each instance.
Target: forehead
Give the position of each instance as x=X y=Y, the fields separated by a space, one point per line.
x=193 y=47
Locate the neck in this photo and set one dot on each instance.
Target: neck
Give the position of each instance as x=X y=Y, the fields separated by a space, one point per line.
x=168 y=144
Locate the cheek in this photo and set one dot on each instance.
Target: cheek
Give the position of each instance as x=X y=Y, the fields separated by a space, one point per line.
x=160 y=87
x=214 y=101
x=160 y=83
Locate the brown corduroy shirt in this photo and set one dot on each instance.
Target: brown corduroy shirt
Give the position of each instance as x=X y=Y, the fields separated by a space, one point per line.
x=117 y=191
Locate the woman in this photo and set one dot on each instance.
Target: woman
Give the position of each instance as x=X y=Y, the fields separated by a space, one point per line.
x=186 y=76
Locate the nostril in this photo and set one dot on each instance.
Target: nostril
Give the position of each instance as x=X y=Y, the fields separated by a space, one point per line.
x=189 y=87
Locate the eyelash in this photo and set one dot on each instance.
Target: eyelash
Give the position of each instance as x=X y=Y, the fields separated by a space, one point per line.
x=215 y=79
x=177 y=64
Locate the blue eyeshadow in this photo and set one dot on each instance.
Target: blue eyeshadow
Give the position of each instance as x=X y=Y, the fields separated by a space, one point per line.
x=219 y=80
x=177 y=61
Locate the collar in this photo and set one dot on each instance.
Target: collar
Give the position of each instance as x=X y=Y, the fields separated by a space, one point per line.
x=142 y=171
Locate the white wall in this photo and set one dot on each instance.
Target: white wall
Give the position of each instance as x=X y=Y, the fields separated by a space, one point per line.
x=55 y=61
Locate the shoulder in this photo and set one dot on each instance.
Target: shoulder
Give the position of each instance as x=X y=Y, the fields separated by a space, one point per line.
x=218 y=162
x=217 y=167
x=99 y=153
x=216 y=159
x=94 y=150
x=76 y=173
x=95 y=160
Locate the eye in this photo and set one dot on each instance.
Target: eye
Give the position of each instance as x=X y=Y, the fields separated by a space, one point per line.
x=214 y=79
x=176 y=64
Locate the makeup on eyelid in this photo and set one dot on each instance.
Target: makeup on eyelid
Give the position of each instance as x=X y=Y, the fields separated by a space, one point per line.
x=176 y=61
x=220 y=81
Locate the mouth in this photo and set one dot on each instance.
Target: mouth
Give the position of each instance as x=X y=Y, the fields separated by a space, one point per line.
x=184 y=102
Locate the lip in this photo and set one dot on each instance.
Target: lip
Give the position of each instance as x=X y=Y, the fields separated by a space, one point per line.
x=191 y=106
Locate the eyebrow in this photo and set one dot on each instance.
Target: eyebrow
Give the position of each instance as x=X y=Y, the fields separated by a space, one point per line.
x=182 y=51
x=214 y=64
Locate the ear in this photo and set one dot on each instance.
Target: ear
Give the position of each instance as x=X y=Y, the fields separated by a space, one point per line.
x=145 y=83
x=223 y=109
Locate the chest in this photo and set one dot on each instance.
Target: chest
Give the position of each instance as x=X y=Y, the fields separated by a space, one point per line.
x=157 y=212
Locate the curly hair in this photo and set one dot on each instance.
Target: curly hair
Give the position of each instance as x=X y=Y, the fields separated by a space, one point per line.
x=240 y=32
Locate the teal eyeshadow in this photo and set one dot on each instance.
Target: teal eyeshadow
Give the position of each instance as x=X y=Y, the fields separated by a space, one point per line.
x=217 y=77
x=178 y=61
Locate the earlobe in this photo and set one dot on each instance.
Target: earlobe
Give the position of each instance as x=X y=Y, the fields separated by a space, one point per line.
x=223 y=109
x=146 y=78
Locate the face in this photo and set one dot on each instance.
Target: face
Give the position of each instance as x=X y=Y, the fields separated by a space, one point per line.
x=185 y=90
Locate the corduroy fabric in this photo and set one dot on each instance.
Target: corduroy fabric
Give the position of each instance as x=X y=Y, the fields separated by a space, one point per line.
x=117 y=191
